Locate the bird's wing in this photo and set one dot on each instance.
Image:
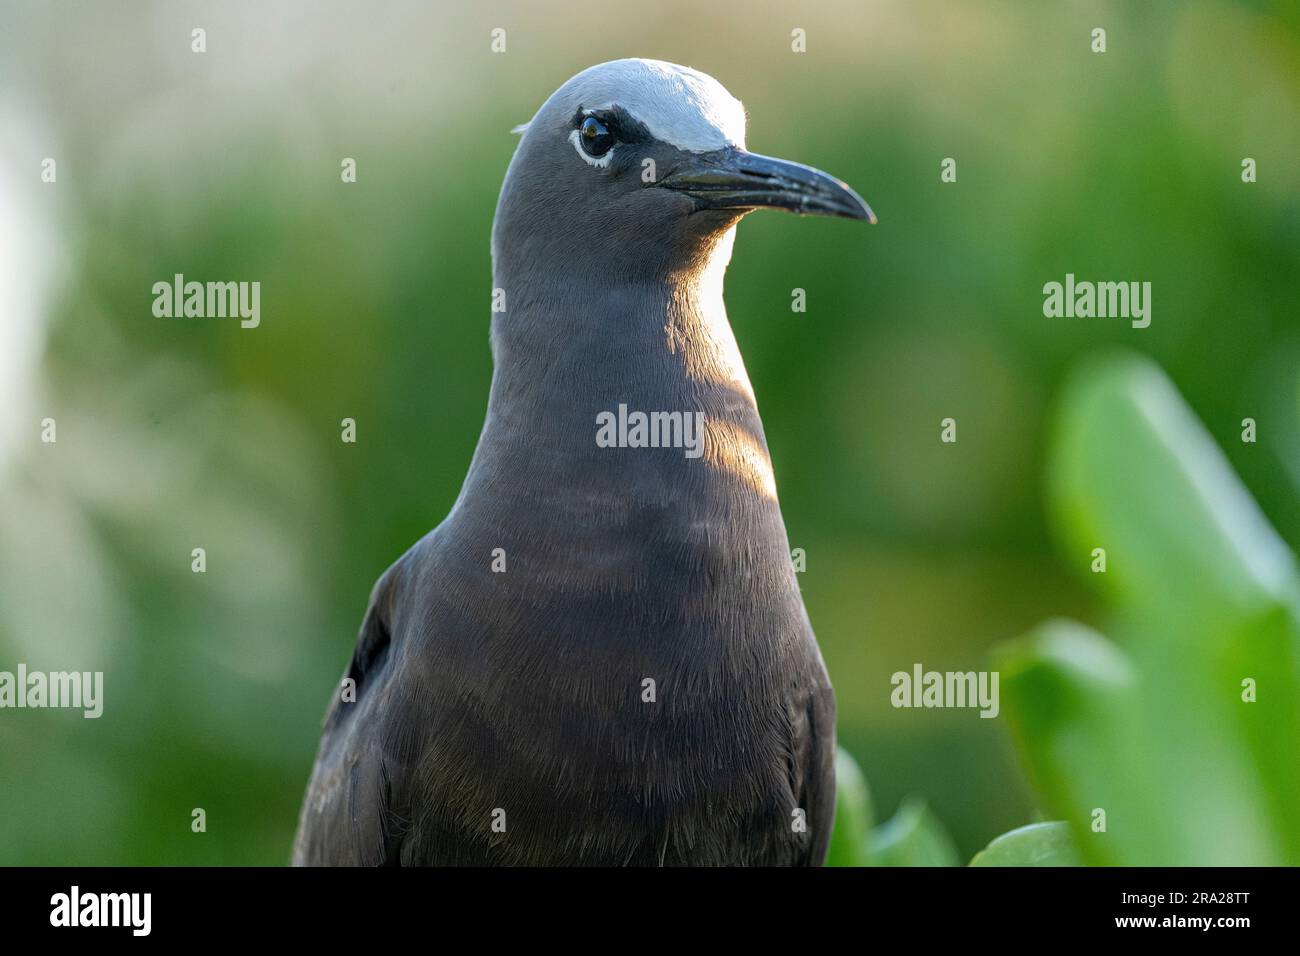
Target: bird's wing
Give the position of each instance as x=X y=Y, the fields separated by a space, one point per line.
x=813 y=766
x=354 y=810
x=822 y=772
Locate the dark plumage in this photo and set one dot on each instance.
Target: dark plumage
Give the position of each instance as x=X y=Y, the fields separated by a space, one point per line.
x=522 y=691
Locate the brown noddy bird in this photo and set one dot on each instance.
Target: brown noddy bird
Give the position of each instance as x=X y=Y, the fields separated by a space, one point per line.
x=601 y=656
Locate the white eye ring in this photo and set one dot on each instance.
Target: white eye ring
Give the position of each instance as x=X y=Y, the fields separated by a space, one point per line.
x=600 y=162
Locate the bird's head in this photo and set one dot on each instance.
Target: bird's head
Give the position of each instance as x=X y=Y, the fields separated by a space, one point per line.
x=642 y=159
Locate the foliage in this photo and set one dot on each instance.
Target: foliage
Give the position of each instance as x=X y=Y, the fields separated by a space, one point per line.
x=1182 y=730
x=1175 y=743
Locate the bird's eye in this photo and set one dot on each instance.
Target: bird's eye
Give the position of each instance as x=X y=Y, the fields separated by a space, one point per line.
x=596 y=138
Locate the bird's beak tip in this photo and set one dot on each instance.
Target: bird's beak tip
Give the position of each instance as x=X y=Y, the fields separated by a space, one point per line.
x=737 y=179
x=863 y=212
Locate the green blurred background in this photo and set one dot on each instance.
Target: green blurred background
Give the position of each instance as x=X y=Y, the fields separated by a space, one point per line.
x=176 y=434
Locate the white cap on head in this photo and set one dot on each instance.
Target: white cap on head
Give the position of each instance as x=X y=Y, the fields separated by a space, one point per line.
x=679 y=106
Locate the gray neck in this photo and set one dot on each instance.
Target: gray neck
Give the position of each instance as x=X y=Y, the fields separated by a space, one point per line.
x=567 y=348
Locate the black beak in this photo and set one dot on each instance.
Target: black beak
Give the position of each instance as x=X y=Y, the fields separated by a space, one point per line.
x=734 y=179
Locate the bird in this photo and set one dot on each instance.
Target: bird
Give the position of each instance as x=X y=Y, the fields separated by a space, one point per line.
x=601 y=656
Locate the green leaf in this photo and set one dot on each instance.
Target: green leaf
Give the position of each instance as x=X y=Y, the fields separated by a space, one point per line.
x=1133 y=471
x=913 y=837
x=1205 y=597
x=1263 y=656
x=1070 y=697
x=853 y=815
x=1039 y=844
x=1147 y=741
